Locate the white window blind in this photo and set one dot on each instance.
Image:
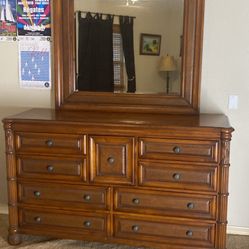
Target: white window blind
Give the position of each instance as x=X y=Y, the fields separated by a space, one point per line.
x=118 y=59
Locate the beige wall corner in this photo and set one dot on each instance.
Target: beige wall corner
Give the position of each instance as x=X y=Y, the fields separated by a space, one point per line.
x=3 y=209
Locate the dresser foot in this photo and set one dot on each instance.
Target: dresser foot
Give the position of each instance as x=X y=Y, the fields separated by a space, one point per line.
x=14 y=239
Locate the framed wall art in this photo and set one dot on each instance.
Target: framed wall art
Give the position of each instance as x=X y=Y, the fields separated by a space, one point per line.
x=150 y=44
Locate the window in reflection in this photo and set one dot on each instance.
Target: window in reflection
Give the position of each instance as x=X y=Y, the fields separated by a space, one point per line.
x=118 y=61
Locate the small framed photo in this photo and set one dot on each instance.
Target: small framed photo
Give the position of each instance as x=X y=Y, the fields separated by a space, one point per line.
x=150 y=44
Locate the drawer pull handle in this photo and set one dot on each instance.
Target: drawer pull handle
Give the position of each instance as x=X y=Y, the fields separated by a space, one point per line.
x=189 y=233
x=50 y=168
x=87 y=197
x=49 y=143
x=110 y=160
x=177 y=176
x=37 y=219
x=37 y=194
x=87 y=223
x=190 y=205
x=177 y=149
x=136 y=201
x=135 y=228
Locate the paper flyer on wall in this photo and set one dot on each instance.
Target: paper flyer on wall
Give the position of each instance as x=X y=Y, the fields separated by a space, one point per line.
x=8 y=30
x=35 y=64
x=33 y=18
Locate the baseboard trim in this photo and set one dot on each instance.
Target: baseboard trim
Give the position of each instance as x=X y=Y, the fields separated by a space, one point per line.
x=238 y=230
x=3 y=209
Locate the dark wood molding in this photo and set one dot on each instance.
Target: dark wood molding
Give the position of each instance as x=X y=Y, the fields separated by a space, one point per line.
x=64 y=69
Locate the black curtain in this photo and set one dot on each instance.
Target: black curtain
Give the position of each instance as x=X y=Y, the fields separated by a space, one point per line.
x=95 y=53
x=126 y=28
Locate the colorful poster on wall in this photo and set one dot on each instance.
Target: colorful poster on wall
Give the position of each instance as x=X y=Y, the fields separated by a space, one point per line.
x=34 y=63
x=8 y=18
x=33 y=18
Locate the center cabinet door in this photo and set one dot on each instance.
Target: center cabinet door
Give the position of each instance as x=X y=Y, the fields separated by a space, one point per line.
x=112 y=159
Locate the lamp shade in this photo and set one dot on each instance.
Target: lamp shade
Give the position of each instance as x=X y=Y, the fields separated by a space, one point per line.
x=167 y=64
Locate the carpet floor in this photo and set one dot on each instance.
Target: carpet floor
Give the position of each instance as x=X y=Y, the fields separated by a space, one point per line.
x=35 y=242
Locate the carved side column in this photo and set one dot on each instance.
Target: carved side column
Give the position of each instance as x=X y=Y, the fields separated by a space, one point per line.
x=14 y=238
x=223 y=188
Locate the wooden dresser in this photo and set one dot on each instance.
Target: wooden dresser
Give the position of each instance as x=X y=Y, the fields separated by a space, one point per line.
x=159 y=181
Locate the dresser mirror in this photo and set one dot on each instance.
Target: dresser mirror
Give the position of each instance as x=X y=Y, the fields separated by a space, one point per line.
x=167 y=40
x=156 y=28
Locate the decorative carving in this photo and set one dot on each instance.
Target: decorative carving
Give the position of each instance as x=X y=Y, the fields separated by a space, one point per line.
x=14 y=238
x=226 y=135
x=9 y=139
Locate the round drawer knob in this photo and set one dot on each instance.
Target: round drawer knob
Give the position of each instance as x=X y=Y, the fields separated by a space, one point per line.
x=110 y=160
x=135 y=228
x=49 y=143
x=87 y=223
x=177 y=149
x=87 y=197
x=136 y=201
x=50 y=168
x=189 y=233
x=37 y=219
x=190 y=205
x=177 y=176
x=37 y=194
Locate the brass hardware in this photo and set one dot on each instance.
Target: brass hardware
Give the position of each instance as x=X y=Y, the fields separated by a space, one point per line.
x=87 y=223
x=37 y=219
x=176 y=176
x=110 y=160
x=50 y=168
x=177 y=149
x=135 y=228
x=87 y=197
x=49 y=143
x=190 y=205
x=189 y=233
x=136 y=201
x=37 y=194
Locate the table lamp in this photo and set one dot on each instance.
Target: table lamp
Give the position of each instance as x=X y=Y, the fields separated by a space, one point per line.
x=167 y=64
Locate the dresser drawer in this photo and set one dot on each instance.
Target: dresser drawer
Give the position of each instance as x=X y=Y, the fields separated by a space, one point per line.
x=73 y=223
x=61 y=195
x=112 y=159
x=163 y=230
x=178 y=176
x=50 y=143
x=173 y=149
x=48 y=167
x=164 y=203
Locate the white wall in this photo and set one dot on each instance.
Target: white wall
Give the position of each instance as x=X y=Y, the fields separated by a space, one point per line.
x=225 y=72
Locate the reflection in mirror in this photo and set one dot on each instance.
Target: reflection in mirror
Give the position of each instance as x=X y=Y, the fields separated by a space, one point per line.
x=153 y=31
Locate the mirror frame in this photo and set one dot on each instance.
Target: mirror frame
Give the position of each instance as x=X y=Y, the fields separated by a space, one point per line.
x=64 y=57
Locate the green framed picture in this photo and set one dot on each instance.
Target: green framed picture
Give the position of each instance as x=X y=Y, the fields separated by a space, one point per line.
x=150 y=44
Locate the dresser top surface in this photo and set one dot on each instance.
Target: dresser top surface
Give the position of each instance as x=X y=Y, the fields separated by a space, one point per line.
x=124 y=119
